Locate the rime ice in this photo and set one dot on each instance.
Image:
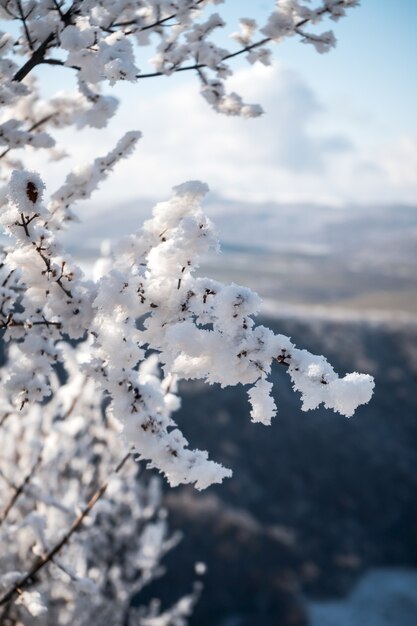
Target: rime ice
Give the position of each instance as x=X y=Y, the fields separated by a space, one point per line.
x=201 y=329
x=59 y=455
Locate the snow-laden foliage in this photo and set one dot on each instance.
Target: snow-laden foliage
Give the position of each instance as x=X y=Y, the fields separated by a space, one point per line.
x=200 y=328
x=104 y=43
x=67 y=481
x=89 y=385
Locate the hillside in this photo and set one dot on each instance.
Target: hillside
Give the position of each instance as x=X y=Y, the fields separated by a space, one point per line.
x=315 y=500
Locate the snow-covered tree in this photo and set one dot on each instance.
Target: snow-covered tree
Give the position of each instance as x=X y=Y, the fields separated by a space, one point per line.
x=86 y=390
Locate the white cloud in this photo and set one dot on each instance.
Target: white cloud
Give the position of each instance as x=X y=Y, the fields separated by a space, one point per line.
x=288 y=154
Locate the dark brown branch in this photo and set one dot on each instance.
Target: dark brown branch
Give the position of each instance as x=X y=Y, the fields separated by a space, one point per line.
x=34 y=126
x=257 y=44
x=285 y=359
x=201 y=76
x=8 y=277
x=8 y=11
x=59 y=63
x=19 y=489
x=47 y=558
x=36 y=58
x=4 y=619
x=159 y=22
x=40 y=122
x=11 y=322
x=39 y=54
x=73 y=403
x=47 y=261
x=23 y=19
x=52 y=62
x=58 y=8
x=4 y=418
x=200 y=66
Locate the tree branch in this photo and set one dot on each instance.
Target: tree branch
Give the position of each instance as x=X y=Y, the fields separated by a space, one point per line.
x=34 y=126
x=38 y=56
x=47 y=261
x=23 y=19
x=159 y=22
x=19 y=489
x=47 y=558
x=35 y=59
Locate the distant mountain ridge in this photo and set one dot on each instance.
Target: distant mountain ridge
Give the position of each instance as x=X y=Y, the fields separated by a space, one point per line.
x=315 y=499
x=359 y=258
x=270 y=226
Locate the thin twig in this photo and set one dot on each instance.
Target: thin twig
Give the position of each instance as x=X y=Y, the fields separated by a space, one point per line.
x=47 y=261
x=38 y=56
x=19 y=489
x=47 y=558
x=4 y=418
x=23 y=19
x=159 y=22
x=34 y=126
x=257 y=44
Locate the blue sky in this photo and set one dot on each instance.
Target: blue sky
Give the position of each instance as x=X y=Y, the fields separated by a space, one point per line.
x=373 y=65
x=339 y=127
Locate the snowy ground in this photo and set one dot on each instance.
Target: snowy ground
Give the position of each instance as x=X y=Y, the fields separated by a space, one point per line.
x=383 y=597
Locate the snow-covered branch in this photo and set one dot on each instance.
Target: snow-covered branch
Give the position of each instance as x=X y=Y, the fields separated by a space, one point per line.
x=201 y=328
x=91 y=370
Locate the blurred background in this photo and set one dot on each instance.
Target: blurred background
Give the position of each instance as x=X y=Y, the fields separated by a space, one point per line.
x=315 y=204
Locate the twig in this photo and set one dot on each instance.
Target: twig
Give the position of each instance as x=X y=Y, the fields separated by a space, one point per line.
x=47 y=261
x=23 y=19
x=47 y=558
x=20 y=488
x=159 y=22
x=30 y=129
x=38 y=56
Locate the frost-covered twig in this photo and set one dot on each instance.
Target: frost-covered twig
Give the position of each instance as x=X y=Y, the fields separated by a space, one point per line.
x=82 y=381
x=18 y=490
x=22 y=582
x=81 y=183
x=202 y=329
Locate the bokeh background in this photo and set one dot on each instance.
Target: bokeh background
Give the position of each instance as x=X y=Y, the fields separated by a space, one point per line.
x=316 y=207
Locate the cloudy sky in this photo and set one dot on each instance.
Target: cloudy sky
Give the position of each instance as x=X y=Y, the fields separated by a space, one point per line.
x=337 y=128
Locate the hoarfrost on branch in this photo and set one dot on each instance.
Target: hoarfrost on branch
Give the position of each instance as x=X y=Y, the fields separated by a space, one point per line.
x=72 y=341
